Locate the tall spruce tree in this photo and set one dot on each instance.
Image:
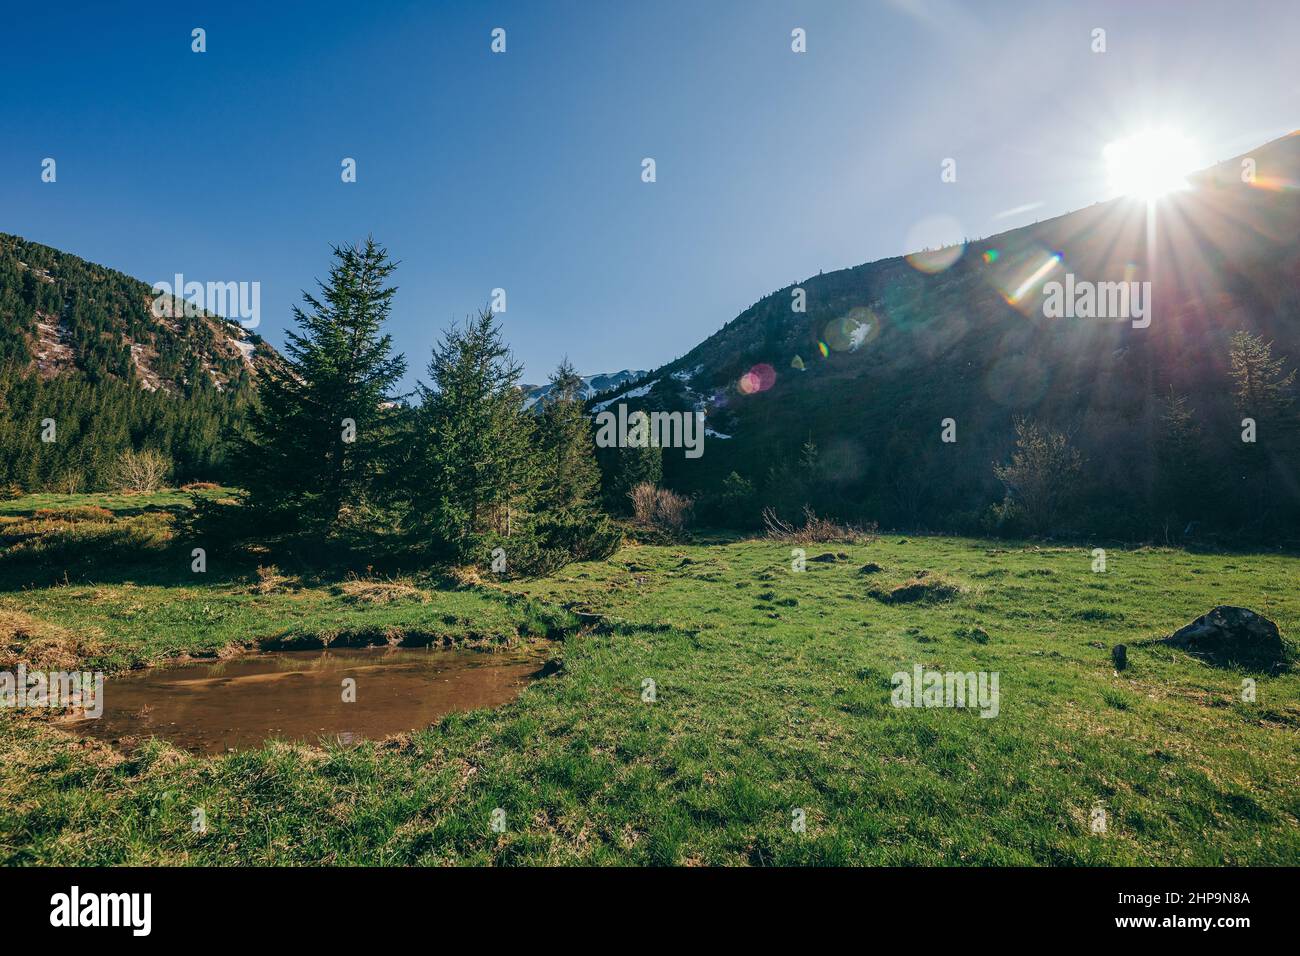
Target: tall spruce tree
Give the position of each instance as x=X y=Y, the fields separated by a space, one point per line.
x=570 y=475
x=1262 y=391
x=474 y=478
x=1183 y=484
x=622 y=469
x=322 y=430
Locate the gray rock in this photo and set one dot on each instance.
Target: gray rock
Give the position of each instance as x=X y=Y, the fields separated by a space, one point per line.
x=1226 y=636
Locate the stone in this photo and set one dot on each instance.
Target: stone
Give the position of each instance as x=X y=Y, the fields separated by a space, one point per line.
x=1226 y=636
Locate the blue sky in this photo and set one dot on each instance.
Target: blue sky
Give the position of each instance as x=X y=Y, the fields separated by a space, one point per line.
x=523 y=170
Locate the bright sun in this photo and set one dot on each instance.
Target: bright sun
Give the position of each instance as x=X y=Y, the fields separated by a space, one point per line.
x=1150 y=164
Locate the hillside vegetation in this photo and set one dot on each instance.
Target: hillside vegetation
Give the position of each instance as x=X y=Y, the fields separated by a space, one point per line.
x=887 y=351
x=79 y=347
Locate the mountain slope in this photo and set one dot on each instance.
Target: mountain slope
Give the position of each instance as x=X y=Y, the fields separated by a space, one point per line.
x=890 y=349
x=88 y=372
x=59 y=313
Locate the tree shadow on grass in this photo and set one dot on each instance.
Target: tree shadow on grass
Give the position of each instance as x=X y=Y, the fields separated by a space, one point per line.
x=156 y=549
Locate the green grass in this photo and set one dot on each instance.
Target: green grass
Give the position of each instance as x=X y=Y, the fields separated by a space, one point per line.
x=772 y=694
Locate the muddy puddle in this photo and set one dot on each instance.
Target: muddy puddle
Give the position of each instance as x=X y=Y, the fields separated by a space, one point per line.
x=218 y=706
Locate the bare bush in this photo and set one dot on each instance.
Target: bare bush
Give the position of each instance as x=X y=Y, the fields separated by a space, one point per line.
x=815 y=530
x=643 y=502
x=69 y=482
x=661 y=507
x=142 y=471
x=672 y=510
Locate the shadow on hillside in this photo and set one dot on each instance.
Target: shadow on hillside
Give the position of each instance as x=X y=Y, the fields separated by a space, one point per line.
x=116 y=512
x=150 y=549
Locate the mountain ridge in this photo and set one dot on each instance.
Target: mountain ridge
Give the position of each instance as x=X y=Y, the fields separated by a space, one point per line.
x=592 y=385
x=888 y=349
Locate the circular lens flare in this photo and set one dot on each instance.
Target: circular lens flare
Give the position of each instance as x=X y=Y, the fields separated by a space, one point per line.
x=758 y=379
x=941 y=242
x=850 y=332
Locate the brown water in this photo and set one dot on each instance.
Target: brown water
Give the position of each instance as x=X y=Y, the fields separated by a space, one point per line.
x=217 y=706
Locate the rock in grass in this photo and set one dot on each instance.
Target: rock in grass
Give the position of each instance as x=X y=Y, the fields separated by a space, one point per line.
x=1119 y=654
x=870 y=568
x=826 y=557
x=1229 y=636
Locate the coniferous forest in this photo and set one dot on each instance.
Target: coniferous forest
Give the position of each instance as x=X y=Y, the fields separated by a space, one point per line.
x=322 y=442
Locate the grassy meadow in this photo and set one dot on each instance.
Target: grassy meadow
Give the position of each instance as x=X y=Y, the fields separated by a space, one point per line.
x=772 y=695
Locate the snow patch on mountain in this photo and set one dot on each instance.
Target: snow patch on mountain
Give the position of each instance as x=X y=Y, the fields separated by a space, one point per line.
x=591 y=385
x=640 y=392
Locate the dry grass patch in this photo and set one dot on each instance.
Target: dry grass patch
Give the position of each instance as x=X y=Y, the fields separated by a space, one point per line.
x=41 y=645
x=271 y=581
x=370 y=591
x=924 y=587
x=84 y=513
x=466 y=576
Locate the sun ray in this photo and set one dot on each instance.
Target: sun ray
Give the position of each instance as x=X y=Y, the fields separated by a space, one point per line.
x=1150 y=164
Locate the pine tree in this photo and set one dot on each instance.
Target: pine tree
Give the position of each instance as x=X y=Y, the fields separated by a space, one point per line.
x=1181 y=487
x=569 y=524
x=474 y=477
x=1043 y=474
x=321 y=433
x=1260 y=388
x=1262 y=392
x=571 y=477
x=622 y=469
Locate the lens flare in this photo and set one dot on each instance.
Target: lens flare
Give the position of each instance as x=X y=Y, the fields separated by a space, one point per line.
x=850 y=332
x=1035 y=279
x=758 y=379
x=941 y=241
x=1019 y=274
x=1275 y=184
